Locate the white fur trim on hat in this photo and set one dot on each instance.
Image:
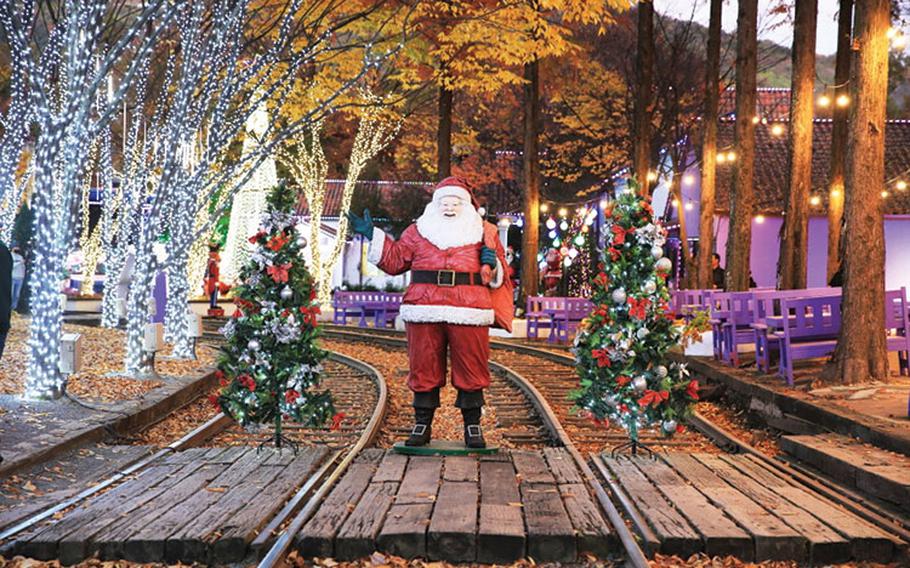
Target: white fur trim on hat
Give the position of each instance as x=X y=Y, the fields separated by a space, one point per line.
x=451 y=191
x=419 y=313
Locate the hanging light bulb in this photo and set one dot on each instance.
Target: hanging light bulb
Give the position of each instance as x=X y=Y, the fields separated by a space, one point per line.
x=815 y=200
x=689 y=206
x=901 y=185
x=564 y=226
x=688 y=179
x=842 y=100
x=563 y=211
x=824 y=101
x=777 y=129
x=552 y=234
x=544 y=207
x=551 y=224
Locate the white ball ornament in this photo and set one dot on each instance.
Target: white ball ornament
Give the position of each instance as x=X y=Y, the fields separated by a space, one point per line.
x=664 y=265
x=639 y=384
x=649 y=287
x=657 y=251
x=254 y=345
x=642 y=332
x=286 y=293
x=619 y=296
x=661 y=371
x=668 y=426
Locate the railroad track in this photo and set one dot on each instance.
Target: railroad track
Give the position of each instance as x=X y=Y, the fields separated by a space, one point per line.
x=51 y=532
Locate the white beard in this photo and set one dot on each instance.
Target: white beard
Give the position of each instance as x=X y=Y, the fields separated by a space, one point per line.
x=448 y=232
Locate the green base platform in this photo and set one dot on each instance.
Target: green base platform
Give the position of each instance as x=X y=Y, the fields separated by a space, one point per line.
x=443 y=448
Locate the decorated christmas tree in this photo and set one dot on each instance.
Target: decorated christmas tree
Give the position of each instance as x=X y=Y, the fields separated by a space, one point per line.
x=269 y=369
x=621 y=348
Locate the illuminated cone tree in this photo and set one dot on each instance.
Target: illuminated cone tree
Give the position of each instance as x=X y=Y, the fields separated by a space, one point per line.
x=269 y=368
x=621 y=348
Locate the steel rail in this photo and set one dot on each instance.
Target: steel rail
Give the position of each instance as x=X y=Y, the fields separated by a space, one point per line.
x=326 y=477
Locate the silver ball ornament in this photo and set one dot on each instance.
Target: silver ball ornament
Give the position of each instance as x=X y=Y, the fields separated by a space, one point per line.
x=661 y=371
x=668 y=426
x=657 y=251
x=639 y=384
x=642 y=332
x=611 y=400
x=649 y=287
x=664 y=265
x=254 y=345
x=301 y=241
x=286 y=293
x=619 y=296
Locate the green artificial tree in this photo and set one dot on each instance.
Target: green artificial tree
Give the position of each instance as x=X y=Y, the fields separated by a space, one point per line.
x=269 y=368
x=621 y=348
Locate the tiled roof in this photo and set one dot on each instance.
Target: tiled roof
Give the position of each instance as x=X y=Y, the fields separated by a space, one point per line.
x=772 y=103
x=772 y=171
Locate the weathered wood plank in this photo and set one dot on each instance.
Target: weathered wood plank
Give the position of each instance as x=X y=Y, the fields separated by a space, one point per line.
x=825 y=545
x=421 y=481
x=391 y=468
x=531 y=467
x=562 y=465
x=317 y=536
x=357 y=537
x=720 y=534
x=370 y=455
x=501 y=531
x=460 y=468
x=773 y=539
x=551 y=537
x=67 y=537
x=452 y=534
x=592 y=533
x=868 y=542
x=239 y=530
x=675 y=533
x=111 y=543
x=404 y=532
x=242 y=483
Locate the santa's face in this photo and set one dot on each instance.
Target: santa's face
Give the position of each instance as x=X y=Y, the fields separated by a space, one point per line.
x=451 y=207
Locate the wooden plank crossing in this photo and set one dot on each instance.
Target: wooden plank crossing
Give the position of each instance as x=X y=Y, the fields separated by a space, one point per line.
x=491 y=509
x=736 y=505
x=201 y=505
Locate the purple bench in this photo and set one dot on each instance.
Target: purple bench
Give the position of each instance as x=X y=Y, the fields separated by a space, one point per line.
x=559 y=315
x=810 y=332
x=565 y=322
x=766 y=304
x=731 y=319
x=381 y=306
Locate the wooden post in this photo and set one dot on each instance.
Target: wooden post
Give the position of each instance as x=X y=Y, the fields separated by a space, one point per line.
x=642 y=118
x=739 y=242
x=839 y=135
x=709 y=150
x=530 y=233
x=444 y=134
x=794 y=243
x=861 y=352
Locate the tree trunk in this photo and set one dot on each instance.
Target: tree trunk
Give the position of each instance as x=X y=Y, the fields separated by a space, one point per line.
x=794 y=243
x=709 y=150
x=839 y=136
x=444 y=134
x=530 y=234
x=861 y=352
x=740 y=241
x=645 y=65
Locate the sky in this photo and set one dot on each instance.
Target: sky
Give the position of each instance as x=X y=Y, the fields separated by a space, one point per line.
x=777 y=28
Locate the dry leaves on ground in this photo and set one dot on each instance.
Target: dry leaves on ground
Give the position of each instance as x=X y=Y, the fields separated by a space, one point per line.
x=102 y=364
x=734 y=421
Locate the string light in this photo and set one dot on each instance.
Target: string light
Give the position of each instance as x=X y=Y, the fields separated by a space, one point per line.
x=688 y=179
x=309 y=167
x=652 y=175
x=815 y=200
x=689 y=206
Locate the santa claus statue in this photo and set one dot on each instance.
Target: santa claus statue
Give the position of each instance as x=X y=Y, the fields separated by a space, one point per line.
x=458 y=291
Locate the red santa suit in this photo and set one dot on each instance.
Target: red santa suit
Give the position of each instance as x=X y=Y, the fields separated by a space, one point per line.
x=447 y=305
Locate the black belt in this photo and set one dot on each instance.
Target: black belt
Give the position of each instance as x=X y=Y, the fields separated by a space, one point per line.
x=446 y=278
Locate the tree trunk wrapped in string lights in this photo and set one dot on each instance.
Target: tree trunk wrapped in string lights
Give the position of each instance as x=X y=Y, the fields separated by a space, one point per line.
x=621 y=348
x=310 y=168
x=270 y=367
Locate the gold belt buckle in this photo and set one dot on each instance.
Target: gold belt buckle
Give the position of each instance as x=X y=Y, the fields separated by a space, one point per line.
x=449 y=282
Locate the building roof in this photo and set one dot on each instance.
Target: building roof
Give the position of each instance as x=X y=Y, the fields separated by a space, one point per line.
x=772 y=103
x=772 y=172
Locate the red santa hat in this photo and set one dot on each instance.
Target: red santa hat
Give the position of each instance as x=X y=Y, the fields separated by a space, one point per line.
x=454 y=186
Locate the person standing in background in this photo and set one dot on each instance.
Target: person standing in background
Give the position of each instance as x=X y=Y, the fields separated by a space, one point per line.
x=6 y=294
x=18 y=275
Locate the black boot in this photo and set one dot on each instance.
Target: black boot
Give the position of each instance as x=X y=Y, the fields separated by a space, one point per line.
x=473 y=435
x=425 y=405
x=423 y=427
